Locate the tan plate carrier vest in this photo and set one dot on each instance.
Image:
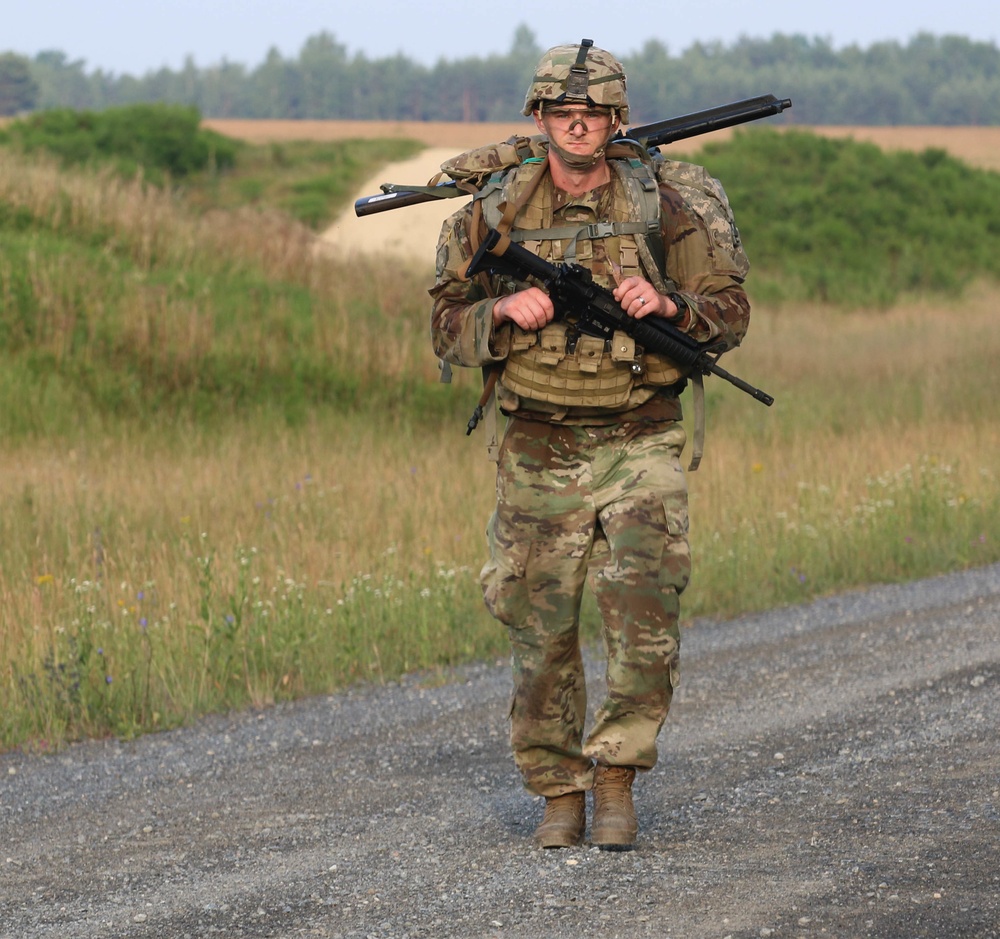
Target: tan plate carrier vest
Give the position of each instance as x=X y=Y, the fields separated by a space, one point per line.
x=557 y=367
x=544 y=369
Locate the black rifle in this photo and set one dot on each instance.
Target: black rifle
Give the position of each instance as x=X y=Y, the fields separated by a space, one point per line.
x=649 y=136
x=597 y=312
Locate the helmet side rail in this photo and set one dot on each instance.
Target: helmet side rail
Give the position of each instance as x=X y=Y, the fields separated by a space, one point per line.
x=649 y=136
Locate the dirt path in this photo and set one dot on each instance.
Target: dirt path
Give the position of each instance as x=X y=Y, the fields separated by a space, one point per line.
x=829 y=770
x=411 y=232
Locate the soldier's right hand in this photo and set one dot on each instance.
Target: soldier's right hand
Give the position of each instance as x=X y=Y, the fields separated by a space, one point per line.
x=531 y=309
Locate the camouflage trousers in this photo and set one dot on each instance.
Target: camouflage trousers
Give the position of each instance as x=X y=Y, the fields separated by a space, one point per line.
x=608 y=503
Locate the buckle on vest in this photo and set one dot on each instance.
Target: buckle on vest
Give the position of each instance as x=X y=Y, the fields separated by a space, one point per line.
x=600 y=230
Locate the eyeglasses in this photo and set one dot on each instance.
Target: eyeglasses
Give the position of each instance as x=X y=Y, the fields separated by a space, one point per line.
x=589 y=117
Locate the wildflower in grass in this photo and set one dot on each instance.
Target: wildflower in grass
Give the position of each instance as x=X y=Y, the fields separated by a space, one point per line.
x=757 y=468
x=44 y=579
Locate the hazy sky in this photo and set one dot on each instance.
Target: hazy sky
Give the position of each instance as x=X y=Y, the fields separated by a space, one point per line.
x=136 y=36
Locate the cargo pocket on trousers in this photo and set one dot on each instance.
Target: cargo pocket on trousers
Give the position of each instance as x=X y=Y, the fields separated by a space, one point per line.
x=676 y=571
x=505 y=588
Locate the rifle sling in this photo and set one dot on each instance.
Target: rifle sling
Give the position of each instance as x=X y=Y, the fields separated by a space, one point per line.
x=698 y=401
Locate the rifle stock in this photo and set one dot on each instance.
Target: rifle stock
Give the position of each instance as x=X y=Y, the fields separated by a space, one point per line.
x=597 y=312
x=658 y=134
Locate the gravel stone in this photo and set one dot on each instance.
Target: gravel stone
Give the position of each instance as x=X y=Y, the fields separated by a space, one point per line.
x=827 y=770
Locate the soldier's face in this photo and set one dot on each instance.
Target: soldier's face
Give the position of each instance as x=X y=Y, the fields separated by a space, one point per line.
x=577 y=128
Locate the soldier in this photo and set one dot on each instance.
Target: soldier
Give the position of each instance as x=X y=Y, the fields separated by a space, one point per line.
x=589 y=476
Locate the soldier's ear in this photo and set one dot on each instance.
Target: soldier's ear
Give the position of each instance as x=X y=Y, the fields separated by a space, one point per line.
x=537 y=115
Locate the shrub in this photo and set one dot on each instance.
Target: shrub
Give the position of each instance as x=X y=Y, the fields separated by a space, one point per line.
x=844 y=222
x=157 y=137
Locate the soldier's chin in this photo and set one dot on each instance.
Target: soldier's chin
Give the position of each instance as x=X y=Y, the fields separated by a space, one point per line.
x=577 y=161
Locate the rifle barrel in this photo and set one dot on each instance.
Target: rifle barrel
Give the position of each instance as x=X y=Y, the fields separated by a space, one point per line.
x=383 y=201
x=703 y=122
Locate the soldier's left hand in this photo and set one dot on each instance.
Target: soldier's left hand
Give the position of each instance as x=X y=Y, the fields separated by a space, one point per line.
x=639 y=298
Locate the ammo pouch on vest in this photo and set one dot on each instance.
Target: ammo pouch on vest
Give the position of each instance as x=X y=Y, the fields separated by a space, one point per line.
x=563 y=367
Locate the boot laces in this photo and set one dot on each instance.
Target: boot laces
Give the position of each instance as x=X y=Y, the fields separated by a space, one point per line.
x=613 y=786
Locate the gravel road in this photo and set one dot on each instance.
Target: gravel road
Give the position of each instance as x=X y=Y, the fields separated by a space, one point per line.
x=828 y=770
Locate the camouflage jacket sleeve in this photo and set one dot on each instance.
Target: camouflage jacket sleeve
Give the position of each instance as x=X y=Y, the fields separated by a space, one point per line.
x=708 y=269
x=462 y=315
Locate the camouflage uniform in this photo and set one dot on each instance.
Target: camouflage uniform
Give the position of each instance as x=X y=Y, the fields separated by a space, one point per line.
x=610 y=497
x=588 y=493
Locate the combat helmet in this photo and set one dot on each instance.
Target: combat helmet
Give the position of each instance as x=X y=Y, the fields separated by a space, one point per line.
x=583 y=74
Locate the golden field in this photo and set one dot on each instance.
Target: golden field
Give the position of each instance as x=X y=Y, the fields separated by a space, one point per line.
x=979 y=146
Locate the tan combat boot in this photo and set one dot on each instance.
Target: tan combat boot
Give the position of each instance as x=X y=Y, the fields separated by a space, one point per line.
x=615 y=824
x=564 y=821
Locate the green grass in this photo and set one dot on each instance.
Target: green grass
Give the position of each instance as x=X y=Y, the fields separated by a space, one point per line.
x=132 y=659
x=155 y=573
x=309 y=181
x=164 y=141
x=230 y=476
x=125 y=304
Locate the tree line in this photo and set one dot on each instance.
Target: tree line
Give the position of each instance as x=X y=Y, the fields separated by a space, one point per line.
x=936 y=80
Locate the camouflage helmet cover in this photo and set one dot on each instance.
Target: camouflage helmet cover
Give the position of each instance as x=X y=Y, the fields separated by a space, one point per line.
x=578 y=73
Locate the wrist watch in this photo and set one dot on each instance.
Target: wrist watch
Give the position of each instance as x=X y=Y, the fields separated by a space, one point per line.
x=682 y=308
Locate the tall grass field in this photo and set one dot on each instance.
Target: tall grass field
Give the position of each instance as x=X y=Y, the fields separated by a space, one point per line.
x=230 y=476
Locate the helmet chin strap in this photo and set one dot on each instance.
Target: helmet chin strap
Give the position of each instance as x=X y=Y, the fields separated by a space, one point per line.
x=579 y=161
